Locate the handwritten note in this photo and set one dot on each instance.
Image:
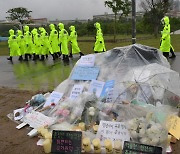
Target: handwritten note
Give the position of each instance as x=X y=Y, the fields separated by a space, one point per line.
x=113 y=131
x=66 y=142
x=174 y=126
x=37 y=119
x=96 y=87
x=53 y=98
x=76 y=91
x=87 y=60
x=85 y=73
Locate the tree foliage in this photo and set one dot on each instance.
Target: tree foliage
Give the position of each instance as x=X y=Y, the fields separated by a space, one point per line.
x=155 y=10
x=19 y=14
x=121 y=7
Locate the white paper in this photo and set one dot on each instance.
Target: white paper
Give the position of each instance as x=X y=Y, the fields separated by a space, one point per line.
x=113 y=131
x=21 y=114
x=96 y=87
x=87 y=60
x=76 y=91
x=21 y=125
x=40 y=142
x=37 y=119
x=33 y=133
x=53 y=98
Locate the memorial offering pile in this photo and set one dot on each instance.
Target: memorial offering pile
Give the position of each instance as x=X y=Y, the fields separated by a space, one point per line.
x=125 y=94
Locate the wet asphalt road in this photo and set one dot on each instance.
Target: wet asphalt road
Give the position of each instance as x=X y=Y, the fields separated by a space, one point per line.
x=39 y=75
x=43 y=75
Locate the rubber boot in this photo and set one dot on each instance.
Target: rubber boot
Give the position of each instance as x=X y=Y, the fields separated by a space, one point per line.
x=59 y=54
x=42 y=58
x=37 y=57
x=30 y=56
x=34 y=57
x=172 y=54
x=20 y=58
x=67 y=58
x=9 y=58
x=70 y=55
x=56 y=55
x=64 y=57
x=26 y=57
x=53 y=56
x=81 y=54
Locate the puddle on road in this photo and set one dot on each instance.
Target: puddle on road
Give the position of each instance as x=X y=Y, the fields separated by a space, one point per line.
x=41 y=75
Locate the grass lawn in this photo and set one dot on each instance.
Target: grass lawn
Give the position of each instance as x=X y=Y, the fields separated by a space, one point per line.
x=87 y=47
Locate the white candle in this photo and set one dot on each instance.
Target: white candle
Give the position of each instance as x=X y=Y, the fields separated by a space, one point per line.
x=47 y=145
x=117 y=147
x=87 y=144
x=108 y=146
x=97 y=145
x=82 y=126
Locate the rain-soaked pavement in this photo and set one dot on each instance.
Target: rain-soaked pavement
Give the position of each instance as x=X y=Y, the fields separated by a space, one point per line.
x=43 y=75
x=39 y=75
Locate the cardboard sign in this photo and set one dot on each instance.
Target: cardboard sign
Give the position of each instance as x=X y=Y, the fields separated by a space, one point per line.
x=107 y=86
x=37 y=119
x=53 y=98
x=96 y=87
x=66 y=142
x=85 y=73
x=87 y=60
x=113 y=131
x=76 y=91
x=131 y=147
x=174 y=126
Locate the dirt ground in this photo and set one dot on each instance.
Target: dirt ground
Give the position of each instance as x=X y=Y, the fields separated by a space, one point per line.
x=14 y=141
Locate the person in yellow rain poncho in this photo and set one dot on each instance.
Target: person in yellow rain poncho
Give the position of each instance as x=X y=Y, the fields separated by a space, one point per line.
x=99 y=44
x=13 y=45
x=21 y=44
x=37 y=44
x=165 y=37
x=46 y=47
x=29 y=43
x=74 y=44
x=63 y=41
x=53 y=39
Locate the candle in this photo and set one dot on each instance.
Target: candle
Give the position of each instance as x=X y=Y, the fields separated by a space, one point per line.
x=95 y=128
x=48 y=135
x=47 y=145
x=87 y=144
x=40 y=129
x=43 y=132
x=97 y=145
x=117 y=147
x=168 y=140
x=108 y=146
x=82 y=126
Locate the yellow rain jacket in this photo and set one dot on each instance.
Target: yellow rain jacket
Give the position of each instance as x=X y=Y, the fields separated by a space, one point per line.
x=13 y=45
